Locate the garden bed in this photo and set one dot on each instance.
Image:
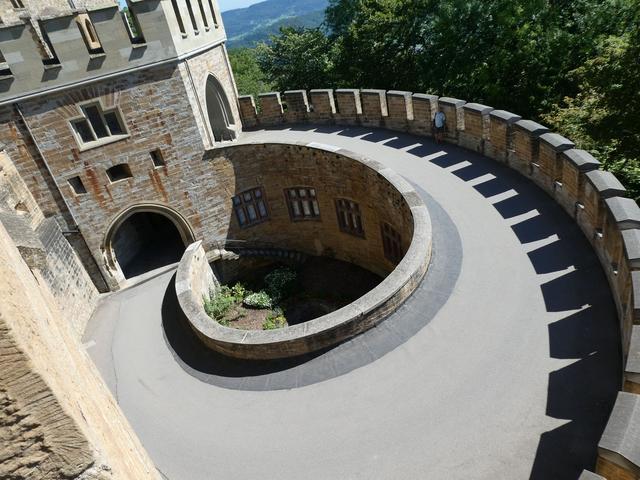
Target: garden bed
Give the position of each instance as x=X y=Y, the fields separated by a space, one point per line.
x=279 y=295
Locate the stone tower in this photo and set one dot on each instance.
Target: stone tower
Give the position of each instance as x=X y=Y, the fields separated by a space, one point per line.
x=106 y=110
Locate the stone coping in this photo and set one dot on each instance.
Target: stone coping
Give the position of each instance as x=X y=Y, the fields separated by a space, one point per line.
x=327 y=330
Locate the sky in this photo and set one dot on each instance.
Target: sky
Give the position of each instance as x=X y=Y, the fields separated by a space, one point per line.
x=225 y=4
x=231 y=4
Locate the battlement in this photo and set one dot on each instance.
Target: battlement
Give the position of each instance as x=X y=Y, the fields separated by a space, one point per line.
x=572 y=177
x=51 y=48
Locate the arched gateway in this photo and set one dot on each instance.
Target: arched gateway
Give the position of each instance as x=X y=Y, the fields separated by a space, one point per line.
x=146 y=237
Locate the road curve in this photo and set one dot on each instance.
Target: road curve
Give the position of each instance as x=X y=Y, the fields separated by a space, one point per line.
x=504 y=363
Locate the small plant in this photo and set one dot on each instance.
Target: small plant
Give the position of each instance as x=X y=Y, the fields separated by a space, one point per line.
x=280 y=282
x=274 y=320
x=219 y=303
x=259 y=300
x=239 y=291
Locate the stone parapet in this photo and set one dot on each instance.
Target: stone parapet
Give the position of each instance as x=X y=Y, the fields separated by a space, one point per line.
x=248 y=111
x=593 y=197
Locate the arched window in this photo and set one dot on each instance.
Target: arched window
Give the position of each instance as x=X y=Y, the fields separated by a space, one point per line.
x=219 y=111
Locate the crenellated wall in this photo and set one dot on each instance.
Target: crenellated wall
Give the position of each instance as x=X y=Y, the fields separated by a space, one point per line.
x=52 y=47
x=592 y=197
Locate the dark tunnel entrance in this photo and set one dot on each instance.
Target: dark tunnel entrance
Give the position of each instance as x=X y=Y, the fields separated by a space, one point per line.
x=146 y=241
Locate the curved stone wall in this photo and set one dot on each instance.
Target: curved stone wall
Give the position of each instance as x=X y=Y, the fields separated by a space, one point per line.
x=384 y=198
x=592 y=197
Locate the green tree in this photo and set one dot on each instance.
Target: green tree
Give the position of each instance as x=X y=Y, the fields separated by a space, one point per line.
x=250 y=79
x=297 y=58
x=604 y=117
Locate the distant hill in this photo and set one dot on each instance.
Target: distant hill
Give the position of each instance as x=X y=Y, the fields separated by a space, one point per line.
x=247 y=26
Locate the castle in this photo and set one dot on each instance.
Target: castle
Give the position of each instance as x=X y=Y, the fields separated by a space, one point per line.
x=118 y=128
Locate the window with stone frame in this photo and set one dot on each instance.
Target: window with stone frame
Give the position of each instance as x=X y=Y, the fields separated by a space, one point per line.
x=302 y=203
x=98 y=125
x=391 y=243
x=250 y=207
x=349 y=217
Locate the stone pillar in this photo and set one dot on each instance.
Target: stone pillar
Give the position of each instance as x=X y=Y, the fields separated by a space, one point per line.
x=400 y=110
x=297 y=106
x=424 y=109
x=374 y=108
x=598 y=186
x=248 y=113
x=547 y=171
x=501 y=135
x=452 y=108
x=323 y=106
x=349 y=106
x=574 y=164
x=476 y=126
x=526 y=145
x=271 y=111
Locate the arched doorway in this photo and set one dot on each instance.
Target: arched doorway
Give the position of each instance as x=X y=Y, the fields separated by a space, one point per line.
x=219 y=111
x=144 y=238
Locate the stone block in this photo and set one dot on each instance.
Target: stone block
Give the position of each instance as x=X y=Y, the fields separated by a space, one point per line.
x=248 y=113
x=323 y=107
x=574 y=163
x=619 y=449
x=526 y=145
x=297 y=106
x=400 y=110
x=624 y=212
x=271 y=110
x=476 y=126
x=424 y=109
x=452 y=108
x=548 y=175
x=374 y=107
x=501 y=135
x=632 y=367
x=349 y=107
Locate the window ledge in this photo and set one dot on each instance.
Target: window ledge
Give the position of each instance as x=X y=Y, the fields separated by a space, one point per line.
x=120 y=180
x=93 y=56
x=103 y=141
x=139 y=45
x=52 y=66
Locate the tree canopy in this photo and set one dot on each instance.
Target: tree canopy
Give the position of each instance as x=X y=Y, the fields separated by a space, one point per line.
x=570 y=63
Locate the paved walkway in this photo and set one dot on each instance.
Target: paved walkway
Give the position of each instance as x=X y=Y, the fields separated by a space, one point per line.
x=503 y=364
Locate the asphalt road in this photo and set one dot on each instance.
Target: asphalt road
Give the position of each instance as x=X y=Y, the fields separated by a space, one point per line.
x=504 y=363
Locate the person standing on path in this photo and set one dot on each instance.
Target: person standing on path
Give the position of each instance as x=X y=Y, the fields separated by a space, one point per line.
x=439 y=122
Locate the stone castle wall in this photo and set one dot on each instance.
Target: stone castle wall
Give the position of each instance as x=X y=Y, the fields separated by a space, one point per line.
x=163 y=108
x=276 y=167
x=593 y=198
x=58 y=418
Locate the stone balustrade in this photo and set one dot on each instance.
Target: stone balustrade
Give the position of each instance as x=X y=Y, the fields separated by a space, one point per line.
x=592 y=197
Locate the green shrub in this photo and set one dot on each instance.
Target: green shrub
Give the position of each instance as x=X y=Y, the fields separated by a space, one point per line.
x=274 y=320
x=259 y=300
x=280 y=282
x=219 y=303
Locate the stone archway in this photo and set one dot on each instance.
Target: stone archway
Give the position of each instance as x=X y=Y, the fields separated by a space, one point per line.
x=219 y=111
x=145 y=237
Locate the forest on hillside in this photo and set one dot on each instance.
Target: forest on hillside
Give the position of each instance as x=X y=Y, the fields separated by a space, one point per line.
x=573 y=65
